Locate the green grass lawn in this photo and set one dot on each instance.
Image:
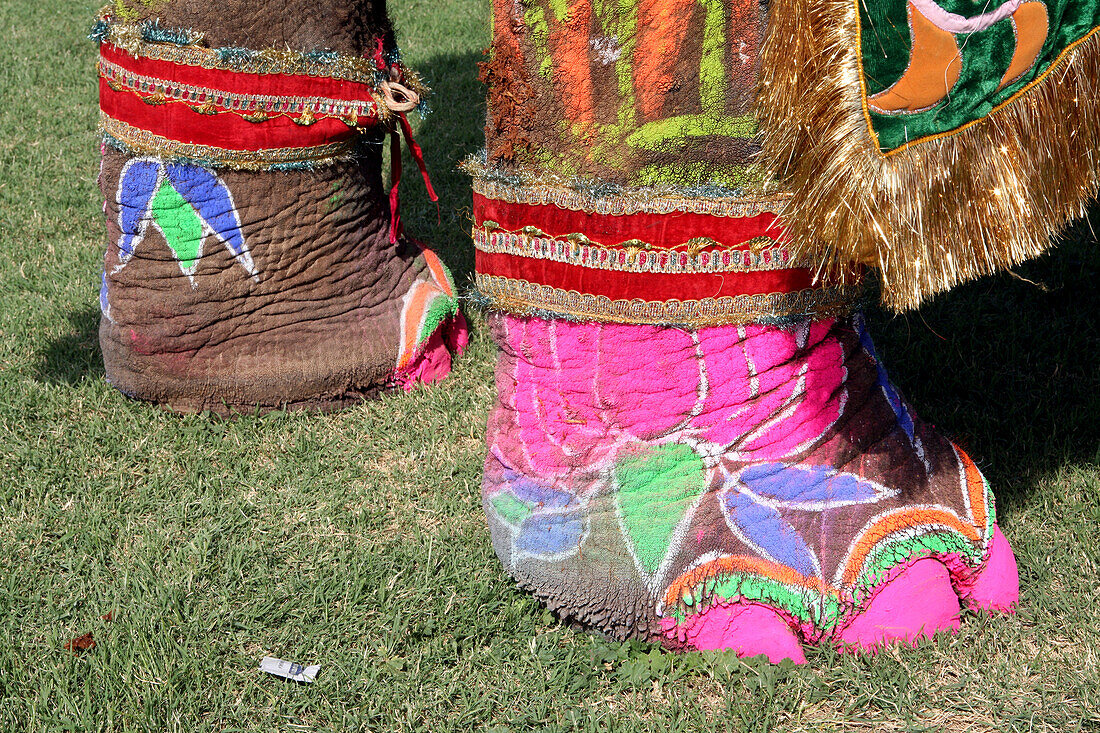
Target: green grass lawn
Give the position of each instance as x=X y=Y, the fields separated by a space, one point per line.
x=356 y=540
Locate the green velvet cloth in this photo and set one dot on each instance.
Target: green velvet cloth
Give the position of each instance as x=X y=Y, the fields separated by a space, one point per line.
x=885 y=48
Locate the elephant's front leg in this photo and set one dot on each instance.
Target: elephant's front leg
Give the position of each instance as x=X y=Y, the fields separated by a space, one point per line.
x=253 y=256
x=749 y=487
x=694 y=440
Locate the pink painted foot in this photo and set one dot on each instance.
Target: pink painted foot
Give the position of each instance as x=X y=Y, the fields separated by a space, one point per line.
x=748 y=629
x=719 y=483
x=913 y=605
x=996 y=587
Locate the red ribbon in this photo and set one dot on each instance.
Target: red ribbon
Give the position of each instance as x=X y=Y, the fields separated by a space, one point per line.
x=395 y=174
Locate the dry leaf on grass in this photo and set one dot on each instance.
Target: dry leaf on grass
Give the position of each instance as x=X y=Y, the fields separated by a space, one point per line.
x=80 y=643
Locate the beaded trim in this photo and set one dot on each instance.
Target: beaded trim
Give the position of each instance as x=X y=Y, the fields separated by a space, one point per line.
x=637 y=256
x=632 y=203
x=255 y=108
x=521 y=297
x=130 y=37
x=143 y=142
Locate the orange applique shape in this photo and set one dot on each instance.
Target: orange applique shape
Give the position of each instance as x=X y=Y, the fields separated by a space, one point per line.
x=1030 y=24
x=935 y=65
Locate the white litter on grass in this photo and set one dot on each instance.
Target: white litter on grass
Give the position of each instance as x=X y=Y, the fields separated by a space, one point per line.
x=289 y=670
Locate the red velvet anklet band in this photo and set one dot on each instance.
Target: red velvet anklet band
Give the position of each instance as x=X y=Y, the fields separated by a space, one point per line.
x=684 y=268
x=236 y=107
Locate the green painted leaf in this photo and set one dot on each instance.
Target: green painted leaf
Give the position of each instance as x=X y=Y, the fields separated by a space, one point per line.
x=657 y=487
x=439 y=309
x=181 y=226
x=511 y=509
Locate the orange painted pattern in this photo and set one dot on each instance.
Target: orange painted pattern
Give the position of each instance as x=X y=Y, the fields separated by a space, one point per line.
x=413 y=315
x=439 y=271
x=505 y=22
x=975 y=487
x=572 y=73
x=899 y=520
x=662 y=29
x=742 y=564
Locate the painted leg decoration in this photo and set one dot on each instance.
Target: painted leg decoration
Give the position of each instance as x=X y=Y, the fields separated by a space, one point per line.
x=253 y=259
x=693 y=440
x=747 y=487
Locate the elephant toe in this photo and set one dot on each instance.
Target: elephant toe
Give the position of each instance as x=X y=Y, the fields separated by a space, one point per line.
x=996 y=586
x=914 y=604
x=749 y=629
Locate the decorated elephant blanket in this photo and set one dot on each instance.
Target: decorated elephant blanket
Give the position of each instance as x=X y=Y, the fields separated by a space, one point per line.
x=935 y=140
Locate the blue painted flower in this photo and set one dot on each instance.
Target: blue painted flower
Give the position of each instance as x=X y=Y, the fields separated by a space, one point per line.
x=752 y=499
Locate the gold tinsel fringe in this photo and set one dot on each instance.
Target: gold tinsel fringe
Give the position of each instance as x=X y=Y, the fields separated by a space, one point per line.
x=942 y=211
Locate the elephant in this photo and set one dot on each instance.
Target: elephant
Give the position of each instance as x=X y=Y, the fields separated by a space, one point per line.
x=694 y=441
x=254 y=258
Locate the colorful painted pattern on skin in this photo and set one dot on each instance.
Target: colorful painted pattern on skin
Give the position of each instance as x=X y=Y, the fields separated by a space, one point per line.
x=685 y=471
x=933 y=66
x=186 y=204
x=644 y=84
x=431 y=326
x=544 y=522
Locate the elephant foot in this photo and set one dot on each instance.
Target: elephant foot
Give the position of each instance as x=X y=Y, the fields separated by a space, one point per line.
x=753 y=488
x=432 y=327
x=308 y=314
x=255 y=258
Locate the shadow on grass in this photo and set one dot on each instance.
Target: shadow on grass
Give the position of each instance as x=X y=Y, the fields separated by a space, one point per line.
x=1009 y=366
x=452 y=131
x=74 y=355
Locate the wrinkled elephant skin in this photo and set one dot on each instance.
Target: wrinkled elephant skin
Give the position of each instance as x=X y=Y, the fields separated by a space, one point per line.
x=747 y=487
x=231 y=290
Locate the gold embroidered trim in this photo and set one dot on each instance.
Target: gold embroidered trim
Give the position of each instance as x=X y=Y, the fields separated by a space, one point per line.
x=525 y=298
x=635 y=255
x=143 y=142
x=639 y=201
x=129 y=38
x=256 y=108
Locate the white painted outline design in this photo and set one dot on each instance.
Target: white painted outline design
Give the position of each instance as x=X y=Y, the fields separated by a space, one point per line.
x=244 y=259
